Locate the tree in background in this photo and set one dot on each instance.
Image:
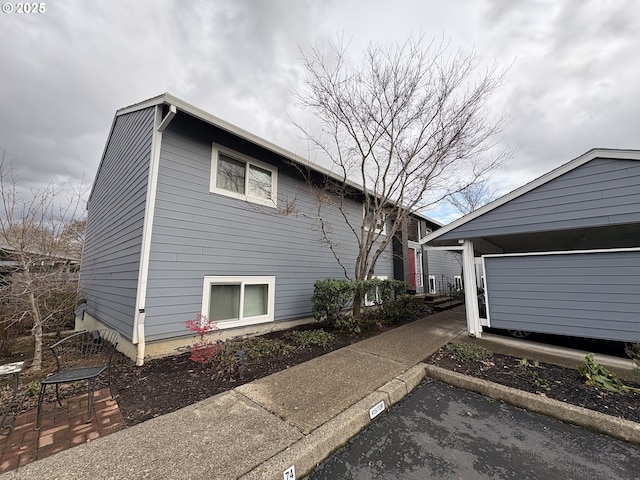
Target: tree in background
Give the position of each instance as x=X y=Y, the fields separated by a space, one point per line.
x=410 y=126
x=41 y=239
x=472 y=197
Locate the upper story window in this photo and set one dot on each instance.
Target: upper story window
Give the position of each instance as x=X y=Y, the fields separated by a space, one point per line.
x=236 y=175
x=378 y=225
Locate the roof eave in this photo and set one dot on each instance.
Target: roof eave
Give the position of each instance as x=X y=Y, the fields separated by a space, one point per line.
x=561 y=170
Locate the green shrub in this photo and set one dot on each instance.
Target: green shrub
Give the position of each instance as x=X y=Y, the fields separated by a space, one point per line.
x=306 y=338
x=380 y=292
x=348 y=323
x=404 y=307
x=255 y=349
x=330 y=297
x=463 y=351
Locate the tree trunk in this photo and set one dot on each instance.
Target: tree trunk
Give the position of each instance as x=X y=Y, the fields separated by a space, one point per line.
x=37 y=334
x=357 y=303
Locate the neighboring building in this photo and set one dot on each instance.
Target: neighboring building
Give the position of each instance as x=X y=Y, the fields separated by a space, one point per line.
x=53 y=268
x=561 y=255
x=191 y=214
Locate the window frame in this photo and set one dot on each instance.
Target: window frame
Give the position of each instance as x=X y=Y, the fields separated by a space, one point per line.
x=241 y=321
x=432 y=278
x=367 y=302
x=216 y=150
x=381 y=231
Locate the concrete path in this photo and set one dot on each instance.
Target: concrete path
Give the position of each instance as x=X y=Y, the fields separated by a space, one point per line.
x=296 y=417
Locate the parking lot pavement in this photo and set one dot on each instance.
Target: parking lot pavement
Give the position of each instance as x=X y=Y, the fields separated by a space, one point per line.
x=441 y=432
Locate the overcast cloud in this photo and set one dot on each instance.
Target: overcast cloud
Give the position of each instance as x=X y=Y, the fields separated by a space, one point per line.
x=573 y=81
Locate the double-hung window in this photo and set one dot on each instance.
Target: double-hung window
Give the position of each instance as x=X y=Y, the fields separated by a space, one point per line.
x=236 y=175
x=378 y=225
x=237 y=301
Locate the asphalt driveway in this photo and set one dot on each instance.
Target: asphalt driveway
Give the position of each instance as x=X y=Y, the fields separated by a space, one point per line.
x=441 y=432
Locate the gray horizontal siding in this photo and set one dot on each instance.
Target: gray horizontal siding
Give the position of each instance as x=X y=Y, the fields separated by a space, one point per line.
x=444 y=265
x=111 y=257
x=599 y=193
x=593 y=295
x=197 y=233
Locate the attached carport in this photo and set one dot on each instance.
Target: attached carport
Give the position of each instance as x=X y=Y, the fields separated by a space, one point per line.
x=561 y=254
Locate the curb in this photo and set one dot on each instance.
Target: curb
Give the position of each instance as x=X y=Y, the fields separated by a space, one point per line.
x=583 y=417
x=311 y=450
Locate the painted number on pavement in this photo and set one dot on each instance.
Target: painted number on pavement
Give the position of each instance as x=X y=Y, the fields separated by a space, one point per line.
x=290 y=473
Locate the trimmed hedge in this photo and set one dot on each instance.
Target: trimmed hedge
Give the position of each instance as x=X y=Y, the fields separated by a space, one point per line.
x=331 y=297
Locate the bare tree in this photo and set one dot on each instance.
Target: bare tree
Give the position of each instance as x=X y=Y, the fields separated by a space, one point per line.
x=404 y=130
x=473 y=196
x=39 y=236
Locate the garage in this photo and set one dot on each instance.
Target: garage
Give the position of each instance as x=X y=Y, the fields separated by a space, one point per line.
x=583 y=294
x=559 y=255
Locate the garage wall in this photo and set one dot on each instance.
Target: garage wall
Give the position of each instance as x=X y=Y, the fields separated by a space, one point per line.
x=592 y=294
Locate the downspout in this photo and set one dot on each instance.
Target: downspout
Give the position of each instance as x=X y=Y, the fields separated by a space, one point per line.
x=159 y=126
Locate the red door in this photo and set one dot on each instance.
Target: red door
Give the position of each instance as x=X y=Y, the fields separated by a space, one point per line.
x=412 y=268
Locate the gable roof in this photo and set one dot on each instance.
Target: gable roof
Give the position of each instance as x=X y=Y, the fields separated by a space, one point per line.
x=171 y=100
x=544 y=179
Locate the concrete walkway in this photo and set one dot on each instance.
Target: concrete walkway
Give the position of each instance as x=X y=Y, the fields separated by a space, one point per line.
x=295 y=417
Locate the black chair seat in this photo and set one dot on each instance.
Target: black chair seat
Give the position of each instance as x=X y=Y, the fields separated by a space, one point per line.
x=75 y=375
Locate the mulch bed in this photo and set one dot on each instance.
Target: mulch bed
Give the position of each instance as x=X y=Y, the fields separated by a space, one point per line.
x=564 y=384
x=167 y=384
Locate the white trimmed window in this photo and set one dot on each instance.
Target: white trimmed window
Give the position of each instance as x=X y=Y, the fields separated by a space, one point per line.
x=238 y=301
x=372 y=297
x=432 y=284
x=238 y=176
x=378 y=225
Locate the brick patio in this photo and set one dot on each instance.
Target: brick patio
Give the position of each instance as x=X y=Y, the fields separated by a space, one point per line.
x=61 y=428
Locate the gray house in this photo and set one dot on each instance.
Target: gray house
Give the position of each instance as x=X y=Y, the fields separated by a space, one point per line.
x=560 y=255
x=189 y=214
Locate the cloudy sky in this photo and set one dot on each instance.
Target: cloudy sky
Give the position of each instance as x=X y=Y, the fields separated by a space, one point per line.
x=573 y=79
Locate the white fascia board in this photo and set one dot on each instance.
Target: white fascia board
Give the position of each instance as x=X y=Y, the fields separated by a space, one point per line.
x=562 y=252
x=151 y=102
x=561 y=170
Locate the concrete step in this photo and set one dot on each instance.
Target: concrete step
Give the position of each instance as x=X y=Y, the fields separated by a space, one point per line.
x=442 y=302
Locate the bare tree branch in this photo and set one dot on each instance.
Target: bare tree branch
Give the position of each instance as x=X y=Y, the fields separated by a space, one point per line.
x=410 y=125
x=473 y=196
x=41 y=238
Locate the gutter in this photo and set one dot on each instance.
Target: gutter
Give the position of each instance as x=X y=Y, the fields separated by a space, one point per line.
x=154 y=162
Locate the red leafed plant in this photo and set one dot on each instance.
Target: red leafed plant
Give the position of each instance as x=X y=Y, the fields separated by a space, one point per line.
x=204 y=349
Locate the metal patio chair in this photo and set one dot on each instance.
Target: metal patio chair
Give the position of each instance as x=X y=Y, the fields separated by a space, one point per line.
x=81 y=356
